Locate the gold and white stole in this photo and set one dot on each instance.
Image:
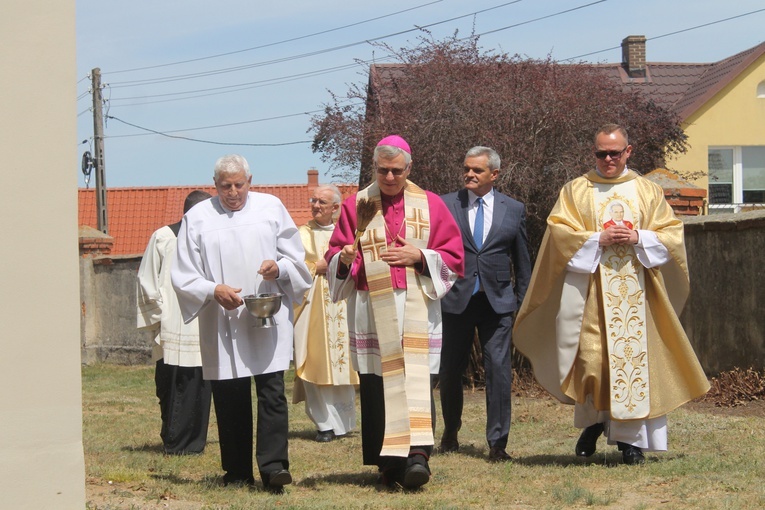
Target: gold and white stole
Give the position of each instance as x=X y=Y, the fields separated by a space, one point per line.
x=405 y=365
x=623 y=297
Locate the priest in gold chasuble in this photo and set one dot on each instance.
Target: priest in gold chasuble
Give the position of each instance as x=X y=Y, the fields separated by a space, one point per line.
x=324 y=377
x=599 y=323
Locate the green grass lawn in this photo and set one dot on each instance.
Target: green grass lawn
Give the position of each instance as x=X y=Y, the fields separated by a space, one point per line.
x=715 y=461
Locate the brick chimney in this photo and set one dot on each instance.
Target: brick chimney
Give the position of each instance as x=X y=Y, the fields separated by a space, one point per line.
x=633 y=55
x=313 y=178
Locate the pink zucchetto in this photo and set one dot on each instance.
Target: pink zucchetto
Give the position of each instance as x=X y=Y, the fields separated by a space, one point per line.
x=395 y=141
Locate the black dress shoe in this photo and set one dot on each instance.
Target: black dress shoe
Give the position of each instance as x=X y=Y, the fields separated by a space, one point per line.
x=237 y=480
x=278 y=479
x=325 y=436
x=448 y=446
x=498 y=454
x=631 y=455
x=587 y=442
x=415 y=475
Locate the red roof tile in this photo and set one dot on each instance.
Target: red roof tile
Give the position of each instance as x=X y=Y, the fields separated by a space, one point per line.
x=133 y=214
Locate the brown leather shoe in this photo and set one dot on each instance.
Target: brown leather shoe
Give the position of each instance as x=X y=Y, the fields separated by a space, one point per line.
x=498 y=454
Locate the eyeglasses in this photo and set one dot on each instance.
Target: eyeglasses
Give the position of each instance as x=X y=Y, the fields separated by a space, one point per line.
x=611 y=154
x=397 y=172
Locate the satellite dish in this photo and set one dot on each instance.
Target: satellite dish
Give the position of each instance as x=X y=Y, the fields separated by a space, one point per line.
x=87 y=163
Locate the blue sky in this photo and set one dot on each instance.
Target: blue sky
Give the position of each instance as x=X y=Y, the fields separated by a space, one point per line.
x=266 y=100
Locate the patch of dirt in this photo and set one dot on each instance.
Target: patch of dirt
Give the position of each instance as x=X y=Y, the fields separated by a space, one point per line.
x=751 y=408
x=736 y=392
x=108 y=495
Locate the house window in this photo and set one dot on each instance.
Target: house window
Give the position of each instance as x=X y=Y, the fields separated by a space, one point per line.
x=761 y=90
x=736 y=178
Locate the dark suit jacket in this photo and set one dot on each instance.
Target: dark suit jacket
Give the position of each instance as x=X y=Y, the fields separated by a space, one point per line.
x=504 y=252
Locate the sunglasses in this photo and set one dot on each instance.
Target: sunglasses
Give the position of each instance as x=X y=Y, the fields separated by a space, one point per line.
x=611 y=154
x=395 y=171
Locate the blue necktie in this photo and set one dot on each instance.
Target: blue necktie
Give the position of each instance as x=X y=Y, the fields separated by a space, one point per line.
x=478 y=235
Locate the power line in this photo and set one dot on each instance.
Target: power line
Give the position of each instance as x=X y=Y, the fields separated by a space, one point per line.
x=706 y=24
x=208 y=141
x=277 y=42
x=237 y=87
x=668 y=34
x=543 y=17
x=260 y=83
x=213 y=72
x=278 y=117
x=249 y=85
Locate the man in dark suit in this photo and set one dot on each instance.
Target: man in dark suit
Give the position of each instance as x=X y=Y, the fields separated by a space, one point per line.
x=494 y=237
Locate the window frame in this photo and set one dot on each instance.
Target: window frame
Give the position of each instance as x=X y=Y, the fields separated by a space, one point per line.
x=737 y=194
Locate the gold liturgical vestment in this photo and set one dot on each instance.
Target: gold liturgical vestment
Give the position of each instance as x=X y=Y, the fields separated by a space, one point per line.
x=322 y=352
x=561 y=326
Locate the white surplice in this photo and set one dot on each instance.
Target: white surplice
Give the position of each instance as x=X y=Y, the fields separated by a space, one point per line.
x=176 y=343
x=219 y=246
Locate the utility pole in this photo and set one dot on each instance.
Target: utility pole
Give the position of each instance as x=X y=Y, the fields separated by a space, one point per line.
x=98 y=134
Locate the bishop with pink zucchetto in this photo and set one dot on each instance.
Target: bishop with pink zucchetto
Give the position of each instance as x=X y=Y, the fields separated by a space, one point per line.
x=409 y=256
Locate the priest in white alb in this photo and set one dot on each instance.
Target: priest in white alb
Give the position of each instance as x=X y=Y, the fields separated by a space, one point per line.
x=233 y=245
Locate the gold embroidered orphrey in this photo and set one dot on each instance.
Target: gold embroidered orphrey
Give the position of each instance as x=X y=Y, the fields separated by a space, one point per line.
x=622 y=288
x=404 y=361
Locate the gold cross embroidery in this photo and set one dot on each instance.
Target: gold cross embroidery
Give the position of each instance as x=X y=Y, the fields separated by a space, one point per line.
x=417 y=223
x=373 y=245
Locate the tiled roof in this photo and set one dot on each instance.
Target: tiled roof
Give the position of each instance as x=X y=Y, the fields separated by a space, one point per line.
x=682 y=87
x=135 y=213
x=715 y=78
x=664 y=83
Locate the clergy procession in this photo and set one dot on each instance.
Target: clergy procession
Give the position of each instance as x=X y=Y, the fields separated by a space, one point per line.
x=386 y=294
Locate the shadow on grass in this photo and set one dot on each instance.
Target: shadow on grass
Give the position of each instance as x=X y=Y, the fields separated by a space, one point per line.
x=609 y=459
x=357 y=479
x=146 y=447
x=354 y=479
x=307 y=434
x=310 y=435
x=466 y=450
x=158 y=448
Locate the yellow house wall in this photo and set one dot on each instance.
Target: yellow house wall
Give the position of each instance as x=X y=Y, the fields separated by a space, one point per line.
x=734 y=116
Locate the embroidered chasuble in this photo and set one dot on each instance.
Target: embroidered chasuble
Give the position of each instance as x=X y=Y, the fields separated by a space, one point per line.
x=322 y=350
x=622 y=284
x=405 y=367
x=613 y=334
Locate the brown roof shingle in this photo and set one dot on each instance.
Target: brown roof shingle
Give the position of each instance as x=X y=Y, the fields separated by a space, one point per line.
x=682 y=87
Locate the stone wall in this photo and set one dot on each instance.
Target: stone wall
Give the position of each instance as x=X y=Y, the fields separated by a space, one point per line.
x=724 y=316
x=108 y=313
